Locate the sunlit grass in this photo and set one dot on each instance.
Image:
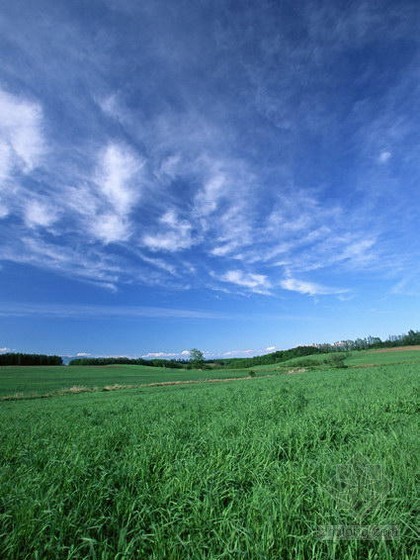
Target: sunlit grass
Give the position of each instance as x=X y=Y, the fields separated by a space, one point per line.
x=46 y=379
x=245 y=469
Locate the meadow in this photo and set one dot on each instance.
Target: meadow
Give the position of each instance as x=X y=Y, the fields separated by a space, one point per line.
x=291 y=464
x=43 y=380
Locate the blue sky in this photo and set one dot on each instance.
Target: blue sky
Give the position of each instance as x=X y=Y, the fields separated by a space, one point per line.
x=228 y=175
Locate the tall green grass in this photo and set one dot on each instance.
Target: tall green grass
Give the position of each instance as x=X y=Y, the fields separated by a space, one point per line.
x=391 y=356
x=241 y=470
x=45 y=379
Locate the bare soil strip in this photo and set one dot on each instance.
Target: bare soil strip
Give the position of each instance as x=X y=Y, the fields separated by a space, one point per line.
x=396 y=349
x=76 y=389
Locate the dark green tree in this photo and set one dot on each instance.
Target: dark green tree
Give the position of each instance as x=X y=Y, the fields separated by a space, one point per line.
x=196 y=358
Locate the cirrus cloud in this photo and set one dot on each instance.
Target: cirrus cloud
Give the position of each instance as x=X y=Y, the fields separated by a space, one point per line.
x=309 y=288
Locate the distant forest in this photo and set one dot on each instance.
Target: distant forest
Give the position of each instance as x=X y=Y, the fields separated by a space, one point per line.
x=409 y=339
x=11 y=359
x=369 y=343
x=157 y=362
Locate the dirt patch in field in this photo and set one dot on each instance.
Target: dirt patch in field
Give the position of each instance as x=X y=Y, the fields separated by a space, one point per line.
x=117 y=387
x=195 y=381
x=396 y=349
x=295 y=371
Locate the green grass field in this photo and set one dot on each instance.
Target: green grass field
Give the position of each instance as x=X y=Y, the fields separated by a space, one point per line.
x=40 y=380
x=318 y=465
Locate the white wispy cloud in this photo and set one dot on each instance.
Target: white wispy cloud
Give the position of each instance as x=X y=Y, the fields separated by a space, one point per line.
x=110 y=228
x=409 y=285
x=221 y=220
x=4 y=210
x=245 y=353
x=89 y=265
x=257 y=283
x=6 y=163
x=118 y=187
x=100 y=311
x=309 y=288
x=165 y=355
x=78 y=311
x=116 y=175
x=40 y=213
x=170 y=166
x=299 y=232
x=22 y=140
x=175 y=234
x=221 y=181
x=110 y=105
x=95 y=203
x=360 y=251
x=238 y=353
x=207 y=199
x=384 y=156
x=22 y=148
x=159 y=263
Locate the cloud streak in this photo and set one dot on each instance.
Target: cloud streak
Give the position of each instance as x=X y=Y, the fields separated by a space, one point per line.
x=236 y=170
x=22 y=143
x=98 y=311
x=309 y=288
x=257 y=283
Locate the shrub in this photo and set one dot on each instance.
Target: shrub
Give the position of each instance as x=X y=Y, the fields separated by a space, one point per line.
x=337 y=360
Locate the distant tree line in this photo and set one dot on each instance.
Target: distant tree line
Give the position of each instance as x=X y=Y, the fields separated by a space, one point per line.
x=196 y=359
x=267 y=359
x=411 y=338
x=369 y=343
x=156 y=362
x=14 y=359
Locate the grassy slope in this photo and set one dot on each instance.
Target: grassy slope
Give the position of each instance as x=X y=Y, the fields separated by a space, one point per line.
x=233 y=470
x=359 y=358
x=391 y=356
x=39 y=379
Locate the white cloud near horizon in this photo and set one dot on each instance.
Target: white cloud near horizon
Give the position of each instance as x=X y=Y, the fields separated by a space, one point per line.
x=151 y=355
